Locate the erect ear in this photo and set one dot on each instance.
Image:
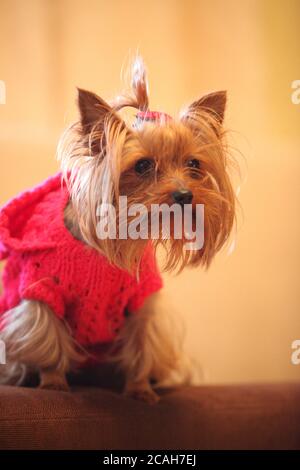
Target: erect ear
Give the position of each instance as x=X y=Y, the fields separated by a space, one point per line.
x=213 y=103
x=93 y=113
x=91 y=107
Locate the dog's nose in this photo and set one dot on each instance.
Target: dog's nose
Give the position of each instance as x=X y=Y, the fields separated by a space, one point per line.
x=182 y=196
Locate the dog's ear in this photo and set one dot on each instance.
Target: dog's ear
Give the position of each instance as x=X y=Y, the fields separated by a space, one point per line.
x=91 y=107
x=94 y=113
x=213 y=104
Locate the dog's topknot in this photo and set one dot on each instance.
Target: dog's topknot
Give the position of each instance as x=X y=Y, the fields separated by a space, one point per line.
x=139 y=83
x=139 y=96
x=99 y=154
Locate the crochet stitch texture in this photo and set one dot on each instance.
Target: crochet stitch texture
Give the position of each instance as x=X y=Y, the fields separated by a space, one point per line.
x=46 y=263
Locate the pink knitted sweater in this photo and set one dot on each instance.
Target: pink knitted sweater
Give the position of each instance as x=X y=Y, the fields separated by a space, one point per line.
x=46 y=263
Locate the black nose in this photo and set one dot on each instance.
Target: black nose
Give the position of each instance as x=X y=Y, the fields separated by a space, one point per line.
x=182 y=196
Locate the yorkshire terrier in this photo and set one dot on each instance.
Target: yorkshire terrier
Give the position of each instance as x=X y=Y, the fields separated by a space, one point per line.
x=68 y=290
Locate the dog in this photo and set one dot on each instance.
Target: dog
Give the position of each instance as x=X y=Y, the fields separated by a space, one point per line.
x=66 y=289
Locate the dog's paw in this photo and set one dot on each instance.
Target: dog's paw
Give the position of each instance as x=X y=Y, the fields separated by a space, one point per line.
x=146 y=395
x=53 y=380
x=57 y=386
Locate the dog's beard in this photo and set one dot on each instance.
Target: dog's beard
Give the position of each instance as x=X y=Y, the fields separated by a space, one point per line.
x=103 y=178
x=180 y=241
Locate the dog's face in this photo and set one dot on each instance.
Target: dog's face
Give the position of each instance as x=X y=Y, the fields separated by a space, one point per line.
x=162 y=161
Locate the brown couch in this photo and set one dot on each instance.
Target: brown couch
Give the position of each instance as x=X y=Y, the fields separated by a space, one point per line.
x=207 y=417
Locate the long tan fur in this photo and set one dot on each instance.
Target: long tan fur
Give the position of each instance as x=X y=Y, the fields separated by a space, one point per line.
x=98 y=155
x=36 y=341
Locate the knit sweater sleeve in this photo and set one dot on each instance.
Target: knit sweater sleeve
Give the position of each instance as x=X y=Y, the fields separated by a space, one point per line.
x=149 y=282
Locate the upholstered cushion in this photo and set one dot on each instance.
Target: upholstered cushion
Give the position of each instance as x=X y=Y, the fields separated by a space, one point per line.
x=205 y=417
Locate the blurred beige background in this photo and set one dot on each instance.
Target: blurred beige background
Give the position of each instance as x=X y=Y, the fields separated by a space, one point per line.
x=243 y=314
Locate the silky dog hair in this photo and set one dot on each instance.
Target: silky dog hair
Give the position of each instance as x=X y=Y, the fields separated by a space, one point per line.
x=98 y=155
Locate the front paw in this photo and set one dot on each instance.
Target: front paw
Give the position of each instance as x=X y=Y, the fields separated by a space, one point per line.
x=142 y=393
x=57 y=386
x=53 y=380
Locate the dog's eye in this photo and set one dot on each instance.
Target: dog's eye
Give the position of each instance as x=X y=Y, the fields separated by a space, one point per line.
x=144 y=165
x=193 y=163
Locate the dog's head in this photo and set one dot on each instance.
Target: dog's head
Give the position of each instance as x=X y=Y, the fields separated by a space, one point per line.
x=154 y=160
